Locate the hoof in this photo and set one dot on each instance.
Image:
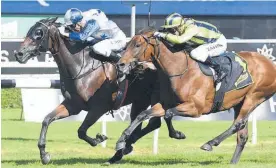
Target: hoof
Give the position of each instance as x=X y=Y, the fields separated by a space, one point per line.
x=206 y=147
x=178 y=135
x=46 y=158
x=233 y=162
x=120 y=145
x=117 y=157
x=101 y=138
x=106 y=164
x=127 y=150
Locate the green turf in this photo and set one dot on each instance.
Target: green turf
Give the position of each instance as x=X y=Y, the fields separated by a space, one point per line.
x=19 y=146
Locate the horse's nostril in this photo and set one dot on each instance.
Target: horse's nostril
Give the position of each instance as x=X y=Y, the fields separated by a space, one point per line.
x=20 y=54
x=122 y=64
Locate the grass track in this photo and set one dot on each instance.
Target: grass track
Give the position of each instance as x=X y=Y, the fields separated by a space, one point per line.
x=19 y=146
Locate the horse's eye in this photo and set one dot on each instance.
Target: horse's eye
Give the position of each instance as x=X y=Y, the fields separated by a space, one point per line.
x=38 y=34
x=138 y=45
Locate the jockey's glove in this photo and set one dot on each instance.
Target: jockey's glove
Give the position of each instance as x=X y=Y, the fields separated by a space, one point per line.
x=62 y=31
x=159 y=34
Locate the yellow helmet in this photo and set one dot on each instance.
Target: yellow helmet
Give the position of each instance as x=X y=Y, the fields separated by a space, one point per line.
x=173 y=20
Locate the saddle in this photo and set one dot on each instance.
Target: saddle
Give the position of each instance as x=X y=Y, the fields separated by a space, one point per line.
x=237 y=77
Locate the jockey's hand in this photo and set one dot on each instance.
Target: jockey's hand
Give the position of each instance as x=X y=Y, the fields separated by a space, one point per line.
x=63 y=32
x=91 y=40
x=159 y=35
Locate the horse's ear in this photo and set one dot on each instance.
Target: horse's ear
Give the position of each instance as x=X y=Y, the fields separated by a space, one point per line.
x=53 y=20
x=152 y=25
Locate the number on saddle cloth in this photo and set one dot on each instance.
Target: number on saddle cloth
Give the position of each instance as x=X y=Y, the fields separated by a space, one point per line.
x=238 y=77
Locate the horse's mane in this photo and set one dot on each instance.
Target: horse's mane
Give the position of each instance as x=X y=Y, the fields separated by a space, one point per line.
x=146 y=30
x=172 y=47
x=57 y=24
x=78 y=45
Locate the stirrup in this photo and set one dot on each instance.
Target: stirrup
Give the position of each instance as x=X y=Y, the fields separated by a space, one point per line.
x=220 y=77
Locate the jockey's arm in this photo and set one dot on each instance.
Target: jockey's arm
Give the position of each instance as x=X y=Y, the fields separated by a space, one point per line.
x=190 y=31
x=93 y=12
x=90 y=27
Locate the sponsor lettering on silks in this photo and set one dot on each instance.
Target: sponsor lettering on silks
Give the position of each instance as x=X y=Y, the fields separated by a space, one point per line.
x=214 y=47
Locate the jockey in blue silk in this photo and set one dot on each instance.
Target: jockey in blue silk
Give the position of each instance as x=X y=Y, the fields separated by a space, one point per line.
x=94 y=27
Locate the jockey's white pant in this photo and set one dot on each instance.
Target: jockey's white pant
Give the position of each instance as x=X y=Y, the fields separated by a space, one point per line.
x=211 y=49
x=106 y=46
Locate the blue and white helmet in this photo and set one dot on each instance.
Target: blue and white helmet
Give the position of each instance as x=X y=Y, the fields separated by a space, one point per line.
x=72 y=16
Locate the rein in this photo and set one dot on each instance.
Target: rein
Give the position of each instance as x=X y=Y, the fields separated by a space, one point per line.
x=78 y=76
x=157 y=58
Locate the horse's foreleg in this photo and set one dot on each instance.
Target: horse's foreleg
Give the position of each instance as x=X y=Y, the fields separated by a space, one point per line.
x=92 y=116
x=172 y=132
x=58 y=113
x=155 y=123
x=136 y=108
x=137 y=134
x=155 y=111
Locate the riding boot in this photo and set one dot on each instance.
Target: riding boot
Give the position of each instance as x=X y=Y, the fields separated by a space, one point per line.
x=220 y=71
x=114 y=57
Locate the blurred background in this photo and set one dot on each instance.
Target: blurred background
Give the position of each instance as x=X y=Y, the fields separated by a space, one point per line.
x=241 y=19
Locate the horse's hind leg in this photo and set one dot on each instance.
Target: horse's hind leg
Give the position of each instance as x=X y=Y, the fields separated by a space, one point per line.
x=242 y=137
x=60 y=112
x=242 y=112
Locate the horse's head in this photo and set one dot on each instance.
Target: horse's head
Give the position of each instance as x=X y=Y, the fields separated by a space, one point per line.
x=141 y=49
x=36 y=41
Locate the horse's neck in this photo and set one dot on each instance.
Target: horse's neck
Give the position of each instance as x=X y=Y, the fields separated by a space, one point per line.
x=173 y=63
x=73 y=64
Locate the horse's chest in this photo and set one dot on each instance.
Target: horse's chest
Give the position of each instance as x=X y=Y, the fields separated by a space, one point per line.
x=87 y=86
x=167 y=94
x=83 y=89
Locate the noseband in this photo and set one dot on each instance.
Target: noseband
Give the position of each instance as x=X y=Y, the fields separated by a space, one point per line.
x=55 y=52
x=52 y=38
x=156 y=47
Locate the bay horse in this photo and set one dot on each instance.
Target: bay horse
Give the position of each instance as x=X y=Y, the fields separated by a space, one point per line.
x=87 y=84
x=186 y=91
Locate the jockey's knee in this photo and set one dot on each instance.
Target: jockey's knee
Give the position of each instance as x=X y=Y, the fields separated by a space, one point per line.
x=101 y=49
x=199 y=54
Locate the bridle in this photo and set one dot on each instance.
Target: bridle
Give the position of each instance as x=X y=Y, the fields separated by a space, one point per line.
x=155 y=57
x=55 y=52
x=42 y=40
